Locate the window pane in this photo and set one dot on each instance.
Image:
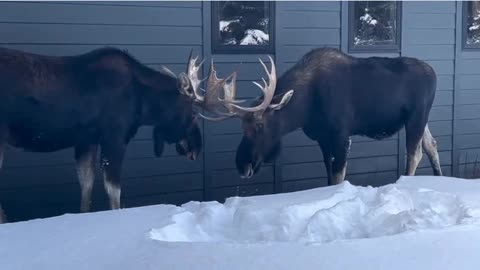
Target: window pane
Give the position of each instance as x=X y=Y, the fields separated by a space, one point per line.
x=473 y=23
x=243 y=22
x=375 y=23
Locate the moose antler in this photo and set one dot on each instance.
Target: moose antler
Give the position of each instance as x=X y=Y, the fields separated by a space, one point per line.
x=192 y=74
x=268 y=90
x=228 y=106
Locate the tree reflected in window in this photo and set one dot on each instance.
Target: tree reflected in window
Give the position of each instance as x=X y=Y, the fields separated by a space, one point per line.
x=472 y=23
x=375 y=24
x=242 y=25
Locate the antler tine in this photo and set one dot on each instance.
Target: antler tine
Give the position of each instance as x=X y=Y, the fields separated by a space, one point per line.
x=268 y=89
x=192 y=73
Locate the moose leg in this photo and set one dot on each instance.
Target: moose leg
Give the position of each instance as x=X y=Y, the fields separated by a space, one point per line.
x=327 y=159
x=430 y=147
x=414 y=133
x=339 y=166
x=112 y=158
x=85 y=157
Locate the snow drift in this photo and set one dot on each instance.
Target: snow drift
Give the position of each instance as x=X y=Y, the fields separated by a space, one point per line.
x=416 y=223
x=349 y=212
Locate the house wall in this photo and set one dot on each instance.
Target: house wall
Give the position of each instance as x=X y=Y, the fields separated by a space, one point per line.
x=38 y=185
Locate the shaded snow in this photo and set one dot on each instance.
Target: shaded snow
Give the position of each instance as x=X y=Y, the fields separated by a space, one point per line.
x=417 y=223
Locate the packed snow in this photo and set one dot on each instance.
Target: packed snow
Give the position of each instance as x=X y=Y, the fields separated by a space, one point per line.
x=417 y=223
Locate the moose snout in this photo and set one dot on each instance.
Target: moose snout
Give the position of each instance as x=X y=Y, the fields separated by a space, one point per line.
x=248 y=172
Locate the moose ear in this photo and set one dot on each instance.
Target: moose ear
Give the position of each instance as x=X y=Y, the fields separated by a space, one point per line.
x=285 y=99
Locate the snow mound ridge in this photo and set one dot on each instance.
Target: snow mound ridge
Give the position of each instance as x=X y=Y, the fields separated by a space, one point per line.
x=344 y=212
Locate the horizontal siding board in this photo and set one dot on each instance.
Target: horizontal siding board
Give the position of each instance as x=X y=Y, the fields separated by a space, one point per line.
x=177 y=198
x=360 y=165
x=467 y=126
x=467 y=111
x=442 y=67
x=225 y=178
x=426 y=7
x=469 y=67
x=428 y=20
x=168 y=165
x=441 y=113
x=95 y=14
x=309 y=37
x=430 y=36
x=446 y=170
x=70 y=192
x=297 y=138
x=99 y=34
x=445 y=159
x=444 y=143
x=443 y=98
x=292 y=186
x=469 y=82
x=308 y=19
x=224 y=127
x=373 y=179
x=223 y=143
x=246 y=71
x=444 y=82
x=294 y=53
x=429 y=52
x=358 y=150
x=225 y=160
x=308 y=5
x=471 y=155
x=220 y=194
x=467 y=141
x=440 y=128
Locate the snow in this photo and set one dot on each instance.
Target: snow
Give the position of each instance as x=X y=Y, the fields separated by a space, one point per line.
x=254 y=37
x=224 y=24
x=419 y=222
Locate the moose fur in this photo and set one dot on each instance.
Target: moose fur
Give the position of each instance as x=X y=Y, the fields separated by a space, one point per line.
x=337 y=96
x=92 y=101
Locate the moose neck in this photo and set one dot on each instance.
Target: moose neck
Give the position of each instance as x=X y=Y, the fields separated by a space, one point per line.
x=159 y=93
x=292 y=116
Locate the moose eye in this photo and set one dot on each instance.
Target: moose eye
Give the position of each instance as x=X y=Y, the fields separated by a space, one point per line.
x=259 y=126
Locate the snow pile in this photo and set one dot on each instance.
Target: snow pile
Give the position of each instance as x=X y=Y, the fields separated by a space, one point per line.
x=418 y=223
x=347 y=213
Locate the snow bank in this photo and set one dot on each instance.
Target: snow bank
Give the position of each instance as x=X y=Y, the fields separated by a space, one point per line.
x=348 y=212
x=417 y=223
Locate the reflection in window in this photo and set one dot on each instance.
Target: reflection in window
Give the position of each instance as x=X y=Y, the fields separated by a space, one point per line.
x=242 y=24
x=374 y=23
x=472 y=23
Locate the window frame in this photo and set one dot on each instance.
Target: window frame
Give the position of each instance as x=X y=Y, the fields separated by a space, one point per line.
x=465 y=46
x=242 y=49
x=352 y=48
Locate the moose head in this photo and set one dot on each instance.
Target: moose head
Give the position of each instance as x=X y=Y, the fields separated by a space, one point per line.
x=261 y=140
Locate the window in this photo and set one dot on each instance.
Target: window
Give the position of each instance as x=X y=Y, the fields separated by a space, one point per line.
x=242 y=26
x=374 y=26
x=471 y=24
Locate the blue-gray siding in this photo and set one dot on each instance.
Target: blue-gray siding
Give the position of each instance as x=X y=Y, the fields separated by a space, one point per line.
x=34 y=185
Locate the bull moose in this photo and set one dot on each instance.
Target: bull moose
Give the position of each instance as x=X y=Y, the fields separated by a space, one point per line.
x=96 y=100
x=332 y=96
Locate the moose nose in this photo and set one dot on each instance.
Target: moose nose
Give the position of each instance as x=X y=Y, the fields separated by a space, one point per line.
x=192 y=155
x=248 y=172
